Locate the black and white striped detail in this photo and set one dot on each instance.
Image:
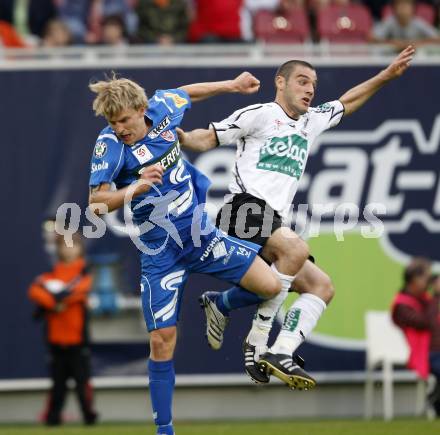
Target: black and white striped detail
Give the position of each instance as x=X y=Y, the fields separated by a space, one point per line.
x=249 y=356
x=215 y=322
x=215 y=332
x=289 y=365
x=245 y=111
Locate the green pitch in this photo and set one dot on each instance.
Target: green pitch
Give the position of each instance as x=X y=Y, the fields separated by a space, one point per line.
x=365 y=278
x=400 y=427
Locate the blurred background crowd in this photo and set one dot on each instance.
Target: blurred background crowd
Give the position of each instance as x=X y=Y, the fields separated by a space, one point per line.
x=58 y=23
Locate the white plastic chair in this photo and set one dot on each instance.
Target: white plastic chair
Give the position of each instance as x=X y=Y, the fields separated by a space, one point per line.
x=386 y=346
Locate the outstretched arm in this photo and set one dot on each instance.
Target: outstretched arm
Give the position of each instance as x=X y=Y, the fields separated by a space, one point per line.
x=360 y=94
x=198 y=140
x=245 y=83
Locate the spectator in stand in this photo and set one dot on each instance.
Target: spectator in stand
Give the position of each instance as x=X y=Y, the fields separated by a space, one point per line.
x=403 y=27
x=416 y=312
x=113 y=31
x=61 y=298
x=163 y=22
x=56 y=34
x=102 y=9
x=83 y=17
x=434 y=355
x=9 y=38
x=251 y=7
x=28 y=17
x=217 y=21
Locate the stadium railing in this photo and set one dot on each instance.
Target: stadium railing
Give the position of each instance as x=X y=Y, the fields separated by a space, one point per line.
x=202 y=55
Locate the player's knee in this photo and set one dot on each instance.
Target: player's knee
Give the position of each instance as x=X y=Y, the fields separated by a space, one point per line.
x=294 y=249
x=162 y=343
x=300 y=250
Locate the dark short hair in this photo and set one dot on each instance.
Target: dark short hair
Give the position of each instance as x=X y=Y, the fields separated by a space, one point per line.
x=286 y=69
x=416 y=268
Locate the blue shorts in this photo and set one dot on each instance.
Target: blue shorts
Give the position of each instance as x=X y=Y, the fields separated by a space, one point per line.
x=164 y=275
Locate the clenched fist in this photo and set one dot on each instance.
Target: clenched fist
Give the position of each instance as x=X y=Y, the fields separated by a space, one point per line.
x=151 y=175
x=246 y=83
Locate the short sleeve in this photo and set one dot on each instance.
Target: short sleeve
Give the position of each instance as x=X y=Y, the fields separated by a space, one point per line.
x=175 y=100
x=240 y=124
x=107 y=160
x=327 y=115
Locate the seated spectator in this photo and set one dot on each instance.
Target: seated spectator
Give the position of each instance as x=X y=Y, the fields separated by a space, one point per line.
x=28 y=17
x=434 y=355
x=217 y=21
x=83 y=17
x=56 y=34
x=251 y=9
x=100 y=10
x=163 y=22
x=410 y=312
x=416 y=312
x=75 y=15
x=9 y=38
x=113 y=31
x=404 y=27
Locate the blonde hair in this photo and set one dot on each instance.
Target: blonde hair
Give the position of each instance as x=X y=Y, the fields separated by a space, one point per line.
x=117 y=94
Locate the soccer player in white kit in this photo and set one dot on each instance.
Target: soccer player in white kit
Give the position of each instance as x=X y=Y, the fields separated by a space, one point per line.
x=273 y=143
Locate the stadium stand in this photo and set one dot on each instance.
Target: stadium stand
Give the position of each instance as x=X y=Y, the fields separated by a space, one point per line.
x=349 y=24
x=274 y=27
x=423 y=10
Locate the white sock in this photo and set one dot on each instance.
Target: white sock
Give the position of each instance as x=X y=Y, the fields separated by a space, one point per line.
x=266 y=313
x=299 y=322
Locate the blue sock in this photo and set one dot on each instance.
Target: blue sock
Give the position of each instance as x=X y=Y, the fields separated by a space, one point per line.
x=236 y=297
x=162 y=378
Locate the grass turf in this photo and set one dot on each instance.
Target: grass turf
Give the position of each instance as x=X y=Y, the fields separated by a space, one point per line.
x=399 y=427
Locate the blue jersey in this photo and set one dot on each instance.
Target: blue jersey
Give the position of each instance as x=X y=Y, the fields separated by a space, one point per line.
x=183 y=188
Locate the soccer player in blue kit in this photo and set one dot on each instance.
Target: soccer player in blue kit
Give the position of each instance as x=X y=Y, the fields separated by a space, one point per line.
x=139 y=152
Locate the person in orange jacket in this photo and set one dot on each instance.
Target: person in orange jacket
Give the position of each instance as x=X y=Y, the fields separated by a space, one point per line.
x=61 y=299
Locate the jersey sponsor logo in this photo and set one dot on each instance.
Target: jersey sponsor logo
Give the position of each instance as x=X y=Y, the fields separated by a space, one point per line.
x=143 y=154
x=100 y=150
x=171 y=157
x=168 y=135
x=99 y=166
x=228 y=255
x=286 y=155
x=219 y=252
x=159 y=128
x=323 y=108
x=177 y=99
x=243 y=251
x=291 y=320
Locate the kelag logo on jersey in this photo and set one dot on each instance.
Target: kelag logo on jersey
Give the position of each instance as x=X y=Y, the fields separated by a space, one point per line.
x=286 y=155
x=397 y=165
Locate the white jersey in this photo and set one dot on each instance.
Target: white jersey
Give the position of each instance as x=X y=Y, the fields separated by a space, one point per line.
x=272 y=148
